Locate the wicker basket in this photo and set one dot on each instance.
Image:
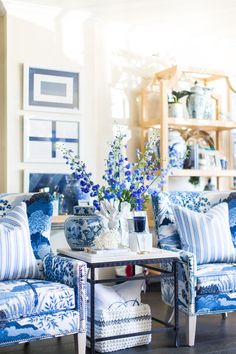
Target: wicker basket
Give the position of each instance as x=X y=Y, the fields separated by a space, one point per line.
x=121 y=321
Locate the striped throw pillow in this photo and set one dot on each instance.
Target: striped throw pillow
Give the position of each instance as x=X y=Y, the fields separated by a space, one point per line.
x=17 y=259
x=207 y=235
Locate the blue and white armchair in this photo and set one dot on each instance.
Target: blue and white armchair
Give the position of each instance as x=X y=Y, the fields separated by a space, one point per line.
x=40 y=302
x=208 y=288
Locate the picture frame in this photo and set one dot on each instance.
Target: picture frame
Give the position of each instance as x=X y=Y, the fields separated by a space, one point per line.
x=48 y=89
x=61 y=185
x=41 y=133
x=44 y=180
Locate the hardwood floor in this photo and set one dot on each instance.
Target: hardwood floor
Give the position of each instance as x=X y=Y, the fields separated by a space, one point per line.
x=214 y=335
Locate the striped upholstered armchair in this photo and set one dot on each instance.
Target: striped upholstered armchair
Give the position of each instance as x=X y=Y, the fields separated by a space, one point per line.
x=41 y=295
x=201 y=227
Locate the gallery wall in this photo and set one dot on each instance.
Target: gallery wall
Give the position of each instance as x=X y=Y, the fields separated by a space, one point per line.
x=115 y=55
x=61 y=40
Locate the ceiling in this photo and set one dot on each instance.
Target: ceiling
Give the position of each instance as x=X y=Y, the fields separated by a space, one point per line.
x=148 y=11
x=202 y=31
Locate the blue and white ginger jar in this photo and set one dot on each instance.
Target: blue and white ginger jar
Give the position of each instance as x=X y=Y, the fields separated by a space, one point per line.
x=199 y=103
x=82 y=228
x=177 y=146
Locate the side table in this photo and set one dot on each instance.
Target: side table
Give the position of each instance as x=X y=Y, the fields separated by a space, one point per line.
x=157 y=255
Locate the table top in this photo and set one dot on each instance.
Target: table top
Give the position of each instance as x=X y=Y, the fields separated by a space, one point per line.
x=104 y=258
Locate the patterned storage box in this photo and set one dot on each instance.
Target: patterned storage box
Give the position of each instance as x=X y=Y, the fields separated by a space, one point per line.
x=122 y=321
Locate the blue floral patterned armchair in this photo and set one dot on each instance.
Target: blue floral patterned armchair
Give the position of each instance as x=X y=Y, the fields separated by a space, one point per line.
x=45 y=299
x=208 y=288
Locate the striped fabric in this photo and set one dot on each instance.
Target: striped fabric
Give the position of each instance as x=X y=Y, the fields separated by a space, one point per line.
x=207 y=235
x=16 y=255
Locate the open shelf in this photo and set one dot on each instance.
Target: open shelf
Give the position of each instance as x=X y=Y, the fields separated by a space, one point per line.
x=203 y=173
x=204 y=124
x=181 y=123
x=156 y=116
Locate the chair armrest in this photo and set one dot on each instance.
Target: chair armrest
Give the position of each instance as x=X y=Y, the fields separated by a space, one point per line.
x=186 y=257
x=70 y=272
x=187 y=279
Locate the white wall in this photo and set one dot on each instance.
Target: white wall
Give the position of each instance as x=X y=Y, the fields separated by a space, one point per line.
x=116 y=52
x=2 y=105
x=62 y=40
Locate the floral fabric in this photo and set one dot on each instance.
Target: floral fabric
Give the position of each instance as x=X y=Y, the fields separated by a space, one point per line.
x=215 y=303
x=186 y=285
x=56 y=304
x=72 y=273
x=216 y=278
x=40 y=327
x=231 y=200
x=39 y=211
x=164 y=218
x=195 y=282
x=22 y=298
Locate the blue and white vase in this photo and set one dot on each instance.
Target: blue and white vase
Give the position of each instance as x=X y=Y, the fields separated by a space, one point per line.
x=196 y=102
x=199 y=103
x=177 y=146
x=82 y=228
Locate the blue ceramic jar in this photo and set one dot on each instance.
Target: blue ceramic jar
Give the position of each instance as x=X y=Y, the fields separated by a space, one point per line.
x=82 y=228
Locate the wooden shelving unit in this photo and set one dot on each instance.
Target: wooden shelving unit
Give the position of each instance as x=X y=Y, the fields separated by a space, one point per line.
x=204 y=173
x=204 y=124
x=165 y=80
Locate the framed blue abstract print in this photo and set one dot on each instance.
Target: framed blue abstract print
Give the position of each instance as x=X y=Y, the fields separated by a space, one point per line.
x=42 y=133
x=51 y=90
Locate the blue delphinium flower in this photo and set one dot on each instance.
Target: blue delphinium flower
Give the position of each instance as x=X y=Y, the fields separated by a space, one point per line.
x=125 y=181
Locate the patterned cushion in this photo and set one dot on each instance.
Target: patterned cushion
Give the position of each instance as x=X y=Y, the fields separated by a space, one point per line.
x=16 y=254
x=216 y=278
x=22 y=298
x=168 y=236
x=27 y=329
x=39 y=211
x=215 y=303
x=231 y=201
x=207 y=235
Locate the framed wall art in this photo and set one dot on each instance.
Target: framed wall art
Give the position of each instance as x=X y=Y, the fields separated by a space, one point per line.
x=51 y=90
x=64 y=188
x=36 y=181
x=42 y=133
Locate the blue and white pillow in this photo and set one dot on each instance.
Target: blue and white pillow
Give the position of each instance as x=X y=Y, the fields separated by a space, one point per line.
x=17 y=259
x=207 y=235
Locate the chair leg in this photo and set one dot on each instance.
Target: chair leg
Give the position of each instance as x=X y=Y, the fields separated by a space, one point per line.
x=80 y=343
x=224 y=315
x=191 y=330
x=169 y=314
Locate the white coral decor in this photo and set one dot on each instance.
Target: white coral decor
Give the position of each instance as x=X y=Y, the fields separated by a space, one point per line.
x=109 y=211
x=108 y=239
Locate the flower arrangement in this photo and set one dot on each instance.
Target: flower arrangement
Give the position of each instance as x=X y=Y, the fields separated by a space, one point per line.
x=132 y=182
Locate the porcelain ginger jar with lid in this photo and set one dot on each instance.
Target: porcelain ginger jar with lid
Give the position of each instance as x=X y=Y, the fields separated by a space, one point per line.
x=199 y=104
x=177 y=145
x=82 y=228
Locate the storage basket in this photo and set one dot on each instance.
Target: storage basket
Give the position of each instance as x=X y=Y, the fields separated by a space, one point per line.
x=123 y=320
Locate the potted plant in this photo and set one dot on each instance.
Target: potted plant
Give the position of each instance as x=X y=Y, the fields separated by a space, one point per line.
x=175 y=107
